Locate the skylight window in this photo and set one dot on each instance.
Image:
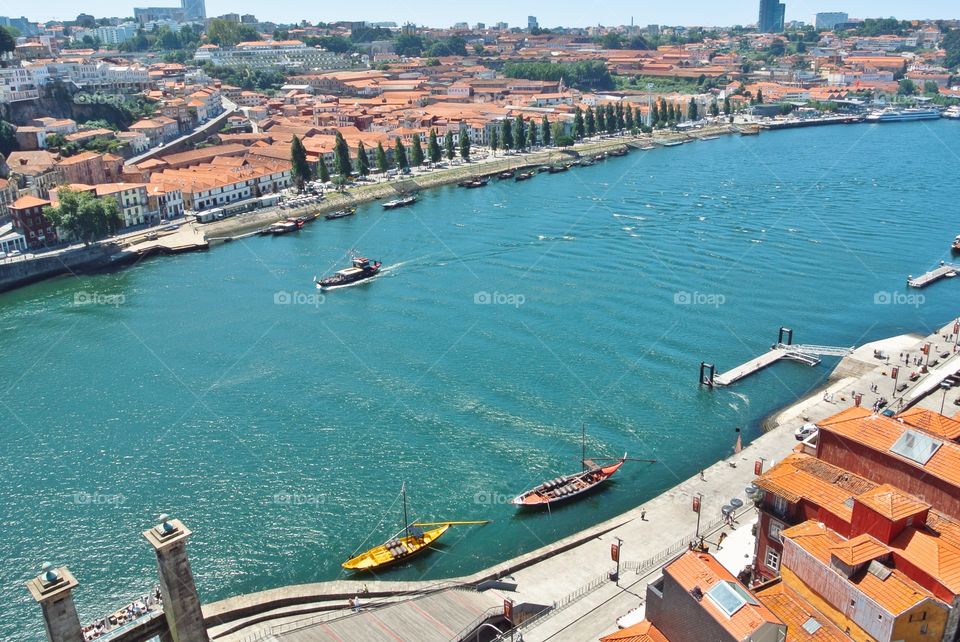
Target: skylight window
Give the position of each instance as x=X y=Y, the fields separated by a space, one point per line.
x=726 y=597
x=811 y=626
x=916 y=446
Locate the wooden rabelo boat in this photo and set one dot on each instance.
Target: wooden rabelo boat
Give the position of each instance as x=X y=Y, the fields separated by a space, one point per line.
x=409 y=541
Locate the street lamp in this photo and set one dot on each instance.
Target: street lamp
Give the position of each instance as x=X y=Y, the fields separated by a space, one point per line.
x=946 y=385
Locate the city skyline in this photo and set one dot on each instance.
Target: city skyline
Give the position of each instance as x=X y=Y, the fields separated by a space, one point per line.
x=613 y=13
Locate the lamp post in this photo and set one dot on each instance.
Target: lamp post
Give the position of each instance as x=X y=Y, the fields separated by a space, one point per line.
x=946 y=386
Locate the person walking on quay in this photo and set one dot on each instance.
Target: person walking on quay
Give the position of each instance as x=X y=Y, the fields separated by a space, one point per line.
x=722 y=537
x=702 y=478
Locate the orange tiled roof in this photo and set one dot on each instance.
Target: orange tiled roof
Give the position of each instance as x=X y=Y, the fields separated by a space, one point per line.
x=799 y=476
x=858 y=550
x=794 y=611
x=932 y=422
x=28 y=201
x=701 y=569
x=932 y=554
x=641 y=632
x=891 y=502
x=879 y=433
x=896 y=594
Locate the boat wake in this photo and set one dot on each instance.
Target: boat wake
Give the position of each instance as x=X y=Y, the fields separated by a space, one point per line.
x=541 y=237
x=635 y=218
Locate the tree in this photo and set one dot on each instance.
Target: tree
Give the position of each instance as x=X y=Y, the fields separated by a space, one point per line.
x=323 y=174
x=400 y=156
x=931 y=87
x=84 y=216
x=416 y=151
x=448 y=145
x=433 y=147
x=226 y=33
x=759 y=96
x=301 y=167
x=578 y=125
x=628 y=117
x=612 y=40
x=7 y=42
x=363 y=163
x=638 y=43
x=655 y=116
x=408 y=45
x=714 y=108
x=907 y=87
x=637 y=117
x=621 y=120
x=56 y=141
x=464 y=143
x=611 y=119
x=545 y=132
x=591 y=122
x=727 y=108
x=494 y=140
x=506 y=133
x=341 y=156
x=601 y=116
x=692 y=110
x=381 y=159
x=521 y=133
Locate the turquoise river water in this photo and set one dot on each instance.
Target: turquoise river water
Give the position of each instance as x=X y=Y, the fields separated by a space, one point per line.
x=279 y=425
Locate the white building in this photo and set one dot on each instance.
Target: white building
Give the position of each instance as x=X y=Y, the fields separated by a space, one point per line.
x=282 y=54
x=17 y=84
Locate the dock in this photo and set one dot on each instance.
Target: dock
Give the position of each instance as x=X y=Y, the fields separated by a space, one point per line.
x=185 y=239
x=943 y=271
x=748 y=368
x=784 y=348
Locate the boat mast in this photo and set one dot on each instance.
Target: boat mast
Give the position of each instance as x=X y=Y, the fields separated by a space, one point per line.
x=583 y=446
x=406 y=522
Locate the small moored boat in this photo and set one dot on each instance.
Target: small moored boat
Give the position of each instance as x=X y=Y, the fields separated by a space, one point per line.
x=400 y=202
x=556 y=169
x=955 y=247
x=409 y=541
x=620 y=151
x=360 y=269
x=506 y=174
x=475 y=183
x=341 y=214
x=523 y=176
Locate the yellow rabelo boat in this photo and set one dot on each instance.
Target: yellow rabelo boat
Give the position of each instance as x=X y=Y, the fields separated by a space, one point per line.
x=409 y=541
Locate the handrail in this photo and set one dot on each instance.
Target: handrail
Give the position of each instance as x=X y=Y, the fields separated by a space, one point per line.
x=480 y=619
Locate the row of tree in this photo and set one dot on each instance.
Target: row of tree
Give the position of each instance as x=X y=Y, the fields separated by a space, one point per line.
x=587 y=74
x=402 y=158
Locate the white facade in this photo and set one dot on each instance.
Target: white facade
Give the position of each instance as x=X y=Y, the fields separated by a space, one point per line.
x=17 y=84
x=262 y=55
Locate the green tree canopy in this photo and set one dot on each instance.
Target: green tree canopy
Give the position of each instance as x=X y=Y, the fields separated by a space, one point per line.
x=433 y=147
x=400 y=156
x=301 y=167
x=381 y=159
x=588 y=74
x=416 y=151
x=448 y=145
x=578 y=124
x=226 y=33
x=84 y=216
x=591 y=122
x=520 y=136
x=464 y=143
x=545 y=132
x=341 y=156
x=363 y=162
x=907 y=87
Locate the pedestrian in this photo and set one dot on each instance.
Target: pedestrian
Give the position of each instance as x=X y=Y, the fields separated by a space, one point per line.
x=702 y=478
x=723 y=536
x=643 y=516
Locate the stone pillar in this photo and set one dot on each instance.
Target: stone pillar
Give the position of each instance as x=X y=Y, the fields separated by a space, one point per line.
x=52 y=590
x=181 y=604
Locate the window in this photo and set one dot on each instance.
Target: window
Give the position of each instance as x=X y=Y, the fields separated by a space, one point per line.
x=923 y=629
x=779 y=504
x=776 y=531
x=772 y=560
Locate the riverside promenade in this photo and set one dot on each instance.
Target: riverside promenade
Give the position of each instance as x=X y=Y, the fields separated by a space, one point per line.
x=571 y=576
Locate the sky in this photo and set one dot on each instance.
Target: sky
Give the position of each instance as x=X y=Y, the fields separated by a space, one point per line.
x=553 y=13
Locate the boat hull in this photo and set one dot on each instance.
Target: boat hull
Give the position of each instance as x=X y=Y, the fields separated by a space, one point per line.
x=383 y=555
x=567 y=487
x=332 y=283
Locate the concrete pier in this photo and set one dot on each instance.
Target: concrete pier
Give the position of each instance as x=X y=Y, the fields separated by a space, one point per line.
x=928 y=278
x=52 y=590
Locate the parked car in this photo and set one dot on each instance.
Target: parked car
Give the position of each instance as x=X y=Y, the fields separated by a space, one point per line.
x=806 y=430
